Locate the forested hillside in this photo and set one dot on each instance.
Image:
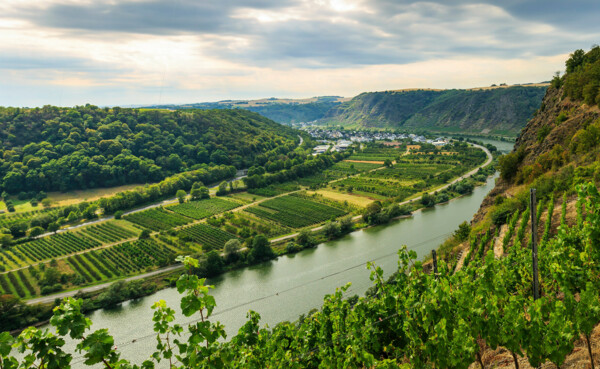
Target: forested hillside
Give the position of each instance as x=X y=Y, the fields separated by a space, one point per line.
x=54 y=148
x=498 y=111
x=280 y=110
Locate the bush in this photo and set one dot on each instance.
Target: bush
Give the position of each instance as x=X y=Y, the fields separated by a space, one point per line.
x=292 y=247
x=145 y=234
x=509 y=165
x=119 y=214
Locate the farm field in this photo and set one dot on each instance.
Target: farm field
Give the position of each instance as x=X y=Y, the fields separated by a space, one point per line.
x=294 y=211
x=209 y=237
x=108 y=232
x=411 y=174
x=44 y=249
x=157 y=219
x=203 y=208
x=125 y=259
x=75 y=197
x=245 y=225
x=377 y=154
x=338 y=170
x=341 y=197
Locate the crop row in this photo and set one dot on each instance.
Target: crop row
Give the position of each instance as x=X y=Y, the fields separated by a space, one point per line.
x=208 y=236
x=294 y=211
x=108 y=232
x=53 y=246
x=157 y=219
x=203 y=208
x=16 y=283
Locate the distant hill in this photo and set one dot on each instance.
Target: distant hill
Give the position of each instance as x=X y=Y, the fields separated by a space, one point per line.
x=284 y=111
x=498 y=111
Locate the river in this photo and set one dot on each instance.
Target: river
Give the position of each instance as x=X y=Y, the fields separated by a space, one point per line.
x=291 y=285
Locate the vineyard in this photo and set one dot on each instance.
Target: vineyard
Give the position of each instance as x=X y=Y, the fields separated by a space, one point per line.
x=98 y=265
x=246 y=225
x=418 y=319
x=157 y=219
x=209 y=237
x=295 y=212
x=108 y=232
x=45 y=248
x=203 y=208
x=377 y=154
x=338 y=170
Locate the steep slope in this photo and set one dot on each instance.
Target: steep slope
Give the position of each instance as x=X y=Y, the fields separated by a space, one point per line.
x=502 y=111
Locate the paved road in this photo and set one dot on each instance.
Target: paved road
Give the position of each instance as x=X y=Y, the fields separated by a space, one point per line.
x=98 y=287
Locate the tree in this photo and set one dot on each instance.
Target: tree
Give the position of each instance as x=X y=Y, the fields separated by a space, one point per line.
x=371 y=212
x=46 y=202
x=53 y=227
x=463 y=231
x=427 y=200
x=6 y=239
x=213 y=264
x=200 y=193
x=181 y=194
x=509 y=165
x=222 y=190
x=119 y=214
x=261 y=248
x=35 y=231
x=145 y=234
x=346 y=224
x=332 y=230
x=305 y=238
x=232 y=247
x=387 y=163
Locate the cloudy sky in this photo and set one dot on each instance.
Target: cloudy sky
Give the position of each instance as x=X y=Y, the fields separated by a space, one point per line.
x=120 y=52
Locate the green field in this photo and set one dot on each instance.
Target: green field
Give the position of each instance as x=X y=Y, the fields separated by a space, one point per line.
x=203 y=208
x=157 y=219
x=108 y=232
x=45 y=248
x=294 y=211
x=209 y=237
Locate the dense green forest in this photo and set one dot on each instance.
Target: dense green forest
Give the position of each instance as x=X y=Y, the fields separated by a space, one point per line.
x=54 y=148
x=501 y=111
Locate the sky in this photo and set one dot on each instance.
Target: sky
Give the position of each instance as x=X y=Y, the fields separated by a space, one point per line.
x=123 y=52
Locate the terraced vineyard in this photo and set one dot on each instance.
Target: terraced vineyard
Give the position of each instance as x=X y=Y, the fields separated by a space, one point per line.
x=157 y=219
x=45 y=248
x=294 y=211
x=209 y=237
x=203 y=208
x=108 y=232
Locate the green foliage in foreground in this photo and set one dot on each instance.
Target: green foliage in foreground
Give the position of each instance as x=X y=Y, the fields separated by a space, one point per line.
x=416 y=317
